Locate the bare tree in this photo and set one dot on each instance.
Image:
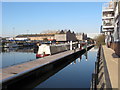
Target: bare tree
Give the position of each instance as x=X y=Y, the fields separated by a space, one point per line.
x=100 y=39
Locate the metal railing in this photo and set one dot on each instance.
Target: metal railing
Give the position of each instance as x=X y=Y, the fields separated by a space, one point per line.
x=95 y=80
x=96 y=72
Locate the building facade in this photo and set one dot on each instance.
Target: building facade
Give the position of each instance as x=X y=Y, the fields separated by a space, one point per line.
x=111 y=25
x=65 y=35
x=108 y=20
x=50 y=36
x=81 y=36
x=62 y=35
x=116 y=33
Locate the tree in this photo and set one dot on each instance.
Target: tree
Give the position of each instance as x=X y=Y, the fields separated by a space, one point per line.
x=100 y=39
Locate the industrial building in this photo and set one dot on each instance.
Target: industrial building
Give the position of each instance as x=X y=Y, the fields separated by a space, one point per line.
x=62 y=36
x=65 y=35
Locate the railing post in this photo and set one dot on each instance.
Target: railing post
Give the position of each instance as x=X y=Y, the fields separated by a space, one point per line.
x=95 y=76
x=96 y=71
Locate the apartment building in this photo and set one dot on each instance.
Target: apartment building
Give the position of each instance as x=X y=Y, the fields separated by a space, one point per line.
x=111 y=24
x=108 y=21
x=116 y=33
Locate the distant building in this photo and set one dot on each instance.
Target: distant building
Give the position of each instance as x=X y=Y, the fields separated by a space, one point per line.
x=49 y=36
x=65 y=35
x=81 y=36
x=61 y=35
x=93 y=35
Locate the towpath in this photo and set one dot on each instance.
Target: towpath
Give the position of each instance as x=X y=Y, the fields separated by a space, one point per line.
x=112 y=61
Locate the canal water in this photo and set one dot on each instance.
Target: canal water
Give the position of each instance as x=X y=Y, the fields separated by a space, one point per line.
x=78 y=74
x=10 y=57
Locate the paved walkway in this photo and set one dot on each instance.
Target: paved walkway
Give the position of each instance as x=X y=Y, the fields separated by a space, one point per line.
x=11 y=71
x=112 y=61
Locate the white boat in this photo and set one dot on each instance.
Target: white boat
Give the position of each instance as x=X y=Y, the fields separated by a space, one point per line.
x=46 y=50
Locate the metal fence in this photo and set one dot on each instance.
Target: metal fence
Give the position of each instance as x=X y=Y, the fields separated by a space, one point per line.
x=96 y=72
x=95 y=76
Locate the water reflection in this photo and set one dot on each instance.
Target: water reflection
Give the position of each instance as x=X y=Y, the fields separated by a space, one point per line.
x=79 y=59
x=86 y=55
x=33 y=82
x=27 y=49
x=74 y=62
x=13 y=56
x=75 y=75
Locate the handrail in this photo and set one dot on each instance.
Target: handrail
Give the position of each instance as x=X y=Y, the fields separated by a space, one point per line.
x=107 y=79
x=96 y=72
x=95 y=82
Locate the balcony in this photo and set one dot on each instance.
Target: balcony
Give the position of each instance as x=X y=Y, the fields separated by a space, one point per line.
x=107 y=30
x=108 y=15
x=108 y=7
x=108 y=25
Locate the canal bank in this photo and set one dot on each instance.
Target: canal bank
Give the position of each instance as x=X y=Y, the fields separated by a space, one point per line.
x=18 y=73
